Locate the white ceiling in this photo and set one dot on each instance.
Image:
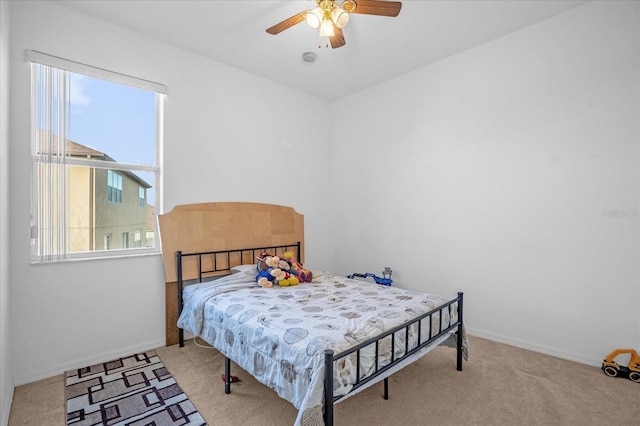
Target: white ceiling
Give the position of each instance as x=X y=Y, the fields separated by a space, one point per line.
x=377 y=48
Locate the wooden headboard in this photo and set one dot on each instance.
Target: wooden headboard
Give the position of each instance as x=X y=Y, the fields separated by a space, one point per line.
x=201 y=227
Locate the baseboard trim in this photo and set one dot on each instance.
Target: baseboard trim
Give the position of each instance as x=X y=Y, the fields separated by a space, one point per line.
x=523 y=344
x=88 y=360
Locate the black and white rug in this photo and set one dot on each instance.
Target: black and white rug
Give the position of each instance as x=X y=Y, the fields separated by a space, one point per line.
x=136 y=390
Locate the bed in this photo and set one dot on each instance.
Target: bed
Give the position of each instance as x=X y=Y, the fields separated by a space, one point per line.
x=316 y=343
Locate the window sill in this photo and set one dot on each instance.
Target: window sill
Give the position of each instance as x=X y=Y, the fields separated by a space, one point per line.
x=101 y=255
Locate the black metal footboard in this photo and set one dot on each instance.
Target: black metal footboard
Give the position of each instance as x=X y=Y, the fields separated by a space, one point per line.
x=221 y=263
x=331 y=358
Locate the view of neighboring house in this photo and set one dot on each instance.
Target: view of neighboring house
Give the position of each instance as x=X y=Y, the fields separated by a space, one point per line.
x=107 y=208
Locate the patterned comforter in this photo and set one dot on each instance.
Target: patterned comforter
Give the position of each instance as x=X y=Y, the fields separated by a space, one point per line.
x=279 y=334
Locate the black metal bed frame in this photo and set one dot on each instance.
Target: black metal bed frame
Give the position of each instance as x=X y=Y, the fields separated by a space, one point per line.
x=329 y=357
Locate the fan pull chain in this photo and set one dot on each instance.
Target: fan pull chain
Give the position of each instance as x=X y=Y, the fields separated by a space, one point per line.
x=320 y=43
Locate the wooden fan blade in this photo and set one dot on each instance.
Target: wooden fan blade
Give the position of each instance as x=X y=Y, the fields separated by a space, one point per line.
x=337 y=40
x=377 y=7
x=287 y=23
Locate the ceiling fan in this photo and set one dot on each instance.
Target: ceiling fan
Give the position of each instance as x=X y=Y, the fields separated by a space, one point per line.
x=330 y=17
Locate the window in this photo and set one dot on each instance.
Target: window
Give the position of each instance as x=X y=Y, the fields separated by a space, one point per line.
x=96 y=136
x=114 y=187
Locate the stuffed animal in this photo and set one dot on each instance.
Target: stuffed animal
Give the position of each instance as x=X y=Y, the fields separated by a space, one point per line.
x=261 y=265
x=288 y=280
x=296 y=268
x=270 y=272
x=264 y=278
x=269 y=277
x=267 y=260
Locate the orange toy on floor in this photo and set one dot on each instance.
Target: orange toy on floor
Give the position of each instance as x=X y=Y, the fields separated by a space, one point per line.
x=613 y=369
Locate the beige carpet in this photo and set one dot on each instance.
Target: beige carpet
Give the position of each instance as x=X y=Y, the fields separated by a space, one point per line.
x=500 y=385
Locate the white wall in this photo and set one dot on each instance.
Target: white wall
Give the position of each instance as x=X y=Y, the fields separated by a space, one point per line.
x=494 y=171
x=229 y=136
x=6 y=376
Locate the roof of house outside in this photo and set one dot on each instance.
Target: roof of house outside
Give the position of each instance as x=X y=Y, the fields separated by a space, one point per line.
x=75 y=149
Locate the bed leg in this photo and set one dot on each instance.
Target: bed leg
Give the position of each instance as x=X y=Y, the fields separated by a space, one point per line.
x=459 y=341
x=328 y=388
x=180 y=287
x=227 y=375
x=386 y=388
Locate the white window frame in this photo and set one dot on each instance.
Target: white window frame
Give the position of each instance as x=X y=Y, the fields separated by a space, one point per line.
x=33 y=56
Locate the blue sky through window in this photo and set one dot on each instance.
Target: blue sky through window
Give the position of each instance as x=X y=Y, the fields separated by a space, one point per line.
x=115 y=119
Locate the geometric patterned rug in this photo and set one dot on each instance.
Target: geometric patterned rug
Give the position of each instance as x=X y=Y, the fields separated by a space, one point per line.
x=136 y=390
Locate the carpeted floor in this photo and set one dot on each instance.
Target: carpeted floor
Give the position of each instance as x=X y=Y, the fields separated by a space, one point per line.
x=500 y=385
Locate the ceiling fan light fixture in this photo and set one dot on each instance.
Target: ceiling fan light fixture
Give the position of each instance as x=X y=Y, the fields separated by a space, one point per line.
x=340 y=17
x=331 y=16
x=326 y=28
x=314 y=17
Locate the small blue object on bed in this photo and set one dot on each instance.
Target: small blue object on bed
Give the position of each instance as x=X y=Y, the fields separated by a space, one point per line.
x=385 y=279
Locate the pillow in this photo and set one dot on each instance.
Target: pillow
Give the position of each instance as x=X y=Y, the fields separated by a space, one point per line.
x=244 y=268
